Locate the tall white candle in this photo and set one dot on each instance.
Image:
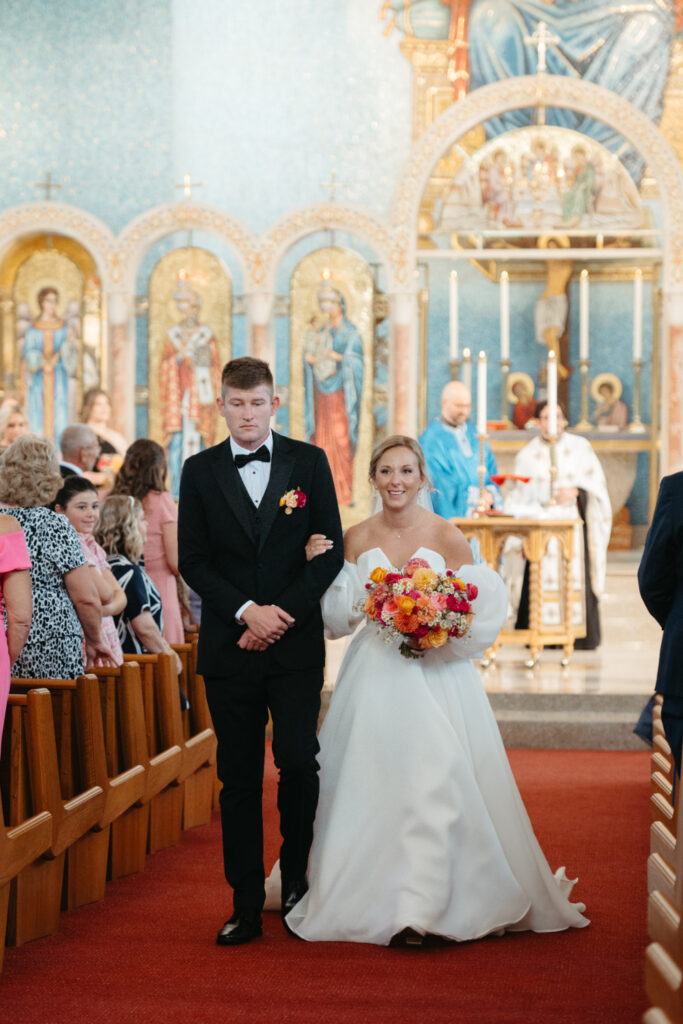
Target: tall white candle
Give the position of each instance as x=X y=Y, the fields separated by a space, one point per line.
x=583 y=315
x=638 y=316
x=453 y=314
x=467 y=369
x=504 y=316
x=481 y=394
x=552 y=394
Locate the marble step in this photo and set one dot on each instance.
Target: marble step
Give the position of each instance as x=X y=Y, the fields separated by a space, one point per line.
x=568 y=720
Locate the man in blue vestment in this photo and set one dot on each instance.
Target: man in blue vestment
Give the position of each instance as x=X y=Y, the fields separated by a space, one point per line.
x=451 y=449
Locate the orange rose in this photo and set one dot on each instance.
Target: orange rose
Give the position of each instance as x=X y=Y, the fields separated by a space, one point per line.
x=436 y=639
x=424 y=579
x=405 y=604
x=377 y=575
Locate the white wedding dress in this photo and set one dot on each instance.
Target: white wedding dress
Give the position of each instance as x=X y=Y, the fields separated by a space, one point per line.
x=420 y=824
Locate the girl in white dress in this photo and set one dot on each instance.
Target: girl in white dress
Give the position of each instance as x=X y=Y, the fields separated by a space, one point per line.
x=420 y=827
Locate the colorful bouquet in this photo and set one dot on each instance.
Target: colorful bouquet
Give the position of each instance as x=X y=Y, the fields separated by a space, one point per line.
x=418 y=606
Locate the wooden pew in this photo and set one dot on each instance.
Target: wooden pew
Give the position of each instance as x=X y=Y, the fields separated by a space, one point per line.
x=664 y=955
x=32 y=785
x=84 y=761
x=19 y=847
x=131 y=735
x=165 y=725
x=192 y=638
x=200 y=741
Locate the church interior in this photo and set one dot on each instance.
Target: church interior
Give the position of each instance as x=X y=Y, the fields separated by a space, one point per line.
x=487 y=192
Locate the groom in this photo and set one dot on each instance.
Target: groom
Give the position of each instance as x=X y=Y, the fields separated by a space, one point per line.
x=247 y=507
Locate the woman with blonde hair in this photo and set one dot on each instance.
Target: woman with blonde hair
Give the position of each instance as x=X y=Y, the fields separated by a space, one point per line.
x=13 y=423
x=420 y=828
x=121 y=532
x=66 y=605
x=143 y=475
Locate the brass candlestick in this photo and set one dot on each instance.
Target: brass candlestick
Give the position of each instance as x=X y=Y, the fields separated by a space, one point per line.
x=553 y=470
x=584 y=423
x=504 y=403
x=481 y=470
x=636 y=425
x=455 y=368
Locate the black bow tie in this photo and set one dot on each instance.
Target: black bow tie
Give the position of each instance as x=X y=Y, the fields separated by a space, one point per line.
x=260 y=455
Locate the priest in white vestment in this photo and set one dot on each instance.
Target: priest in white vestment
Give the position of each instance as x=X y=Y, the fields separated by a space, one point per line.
x=581 y=489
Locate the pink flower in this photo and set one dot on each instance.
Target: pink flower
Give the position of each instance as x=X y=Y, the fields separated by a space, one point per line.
x=439 y=602
x=472 y=591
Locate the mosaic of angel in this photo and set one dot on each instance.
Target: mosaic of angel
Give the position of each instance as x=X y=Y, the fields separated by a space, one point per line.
x=49 y=357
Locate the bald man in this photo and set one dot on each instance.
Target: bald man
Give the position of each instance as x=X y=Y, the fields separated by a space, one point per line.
x=451 y=448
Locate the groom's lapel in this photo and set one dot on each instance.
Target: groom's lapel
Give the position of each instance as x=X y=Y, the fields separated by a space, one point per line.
x=231 y=486
x=280 y=473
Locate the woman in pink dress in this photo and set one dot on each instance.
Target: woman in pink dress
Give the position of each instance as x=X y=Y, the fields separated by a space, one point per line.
x=15 y=590
x=143 y=474
x=79 y=501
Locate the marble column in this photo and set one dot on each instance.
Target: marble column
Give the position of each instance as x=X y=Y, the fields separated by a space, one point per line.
x=261 y=342
x=403 y=364
x=121 y=361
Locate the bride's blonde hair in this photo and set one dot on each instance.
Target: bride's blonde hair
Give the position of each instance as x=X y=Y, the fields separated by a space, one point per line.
x=400 y=441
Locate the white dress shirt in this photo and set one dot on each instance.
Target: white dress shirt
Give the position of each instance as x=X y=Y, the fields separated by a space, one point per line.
x=255 y=476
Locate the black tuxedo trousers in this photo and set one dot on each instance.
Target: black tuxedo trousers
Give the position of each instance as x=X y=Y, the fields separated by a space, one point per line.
x=229 y=553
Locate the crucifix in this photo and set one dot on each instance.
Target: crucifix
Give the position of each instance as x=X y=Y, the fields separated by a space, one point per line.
x=541 y=39
x=333 y=185
x=48 y=185
x=187 y=185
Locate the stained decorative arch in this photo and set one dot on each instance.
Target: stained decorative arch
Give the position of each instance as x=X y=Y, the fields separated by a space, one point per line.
x=598 y=102
x=308 y=220
x=61 y=219
x=141 y=234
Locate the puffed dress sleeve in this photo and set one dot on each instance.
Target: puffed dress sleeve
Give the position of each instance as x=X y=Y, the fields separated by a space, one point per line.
x=340 y=601
x=489 y=611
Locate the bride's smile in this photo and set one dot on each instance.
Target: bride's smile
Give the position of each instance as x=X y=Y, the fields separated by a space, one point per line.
x=398 y=479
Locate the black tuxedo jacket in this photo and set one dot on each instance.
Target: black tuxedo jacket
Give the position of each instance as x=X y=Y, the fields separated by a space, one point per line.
x=224 y=561
x=660 y=577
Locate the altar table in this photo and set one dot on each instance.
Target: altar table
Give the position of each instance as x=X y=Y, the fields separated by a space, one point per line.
x=534 y=534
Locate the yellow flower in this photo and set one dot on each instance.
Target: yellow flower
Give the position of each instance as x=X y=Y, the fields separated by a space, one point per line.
x=424 y=579
x=405 y=604
x=378 y=575
x=436 y=639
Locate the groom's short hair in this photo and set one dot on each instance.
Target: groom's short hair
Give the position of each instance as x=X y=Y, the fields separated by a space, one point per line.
x=246 y=373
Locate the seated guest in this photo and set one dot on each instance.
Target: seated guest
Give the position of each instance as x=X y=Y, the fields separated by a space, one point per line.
x=79 y=448
x=121 y=532
x=65 y=602
x=12 y=424
x=581 y=488
x=143 y=474
x=15 y=594
x=451 y=450
x=79 y=502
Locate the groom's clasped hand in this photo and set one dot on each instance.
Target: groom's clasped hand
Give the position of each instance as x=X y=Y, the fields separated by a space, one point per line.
x=265 y=624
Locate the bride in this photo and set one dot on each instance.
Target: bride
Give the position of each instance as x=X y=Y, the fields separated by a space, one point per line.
x=420 y=827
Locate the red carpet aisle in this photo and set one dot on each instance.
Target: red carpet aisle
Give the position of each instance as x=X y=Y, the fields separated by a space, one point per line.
x=147 y=954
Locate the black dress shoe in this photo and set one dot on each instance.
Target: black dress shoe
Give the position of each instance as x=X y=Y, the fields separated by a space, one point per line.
x=243 y=926
x=292 y=892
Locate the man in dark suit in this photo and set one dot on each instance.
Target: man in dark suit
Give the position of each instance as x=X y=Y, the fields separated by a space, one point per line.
x=79 y=448
x=247 y=508
x=660 y=577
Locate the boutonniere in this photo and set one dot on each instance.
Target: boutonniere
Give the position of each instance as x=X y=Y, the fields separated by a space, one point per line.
x=292 y=499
